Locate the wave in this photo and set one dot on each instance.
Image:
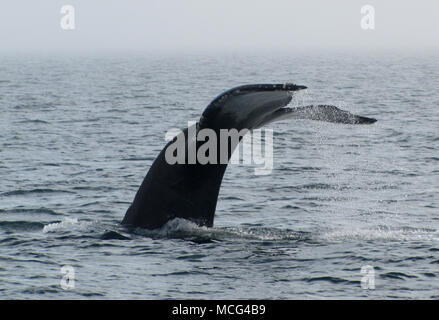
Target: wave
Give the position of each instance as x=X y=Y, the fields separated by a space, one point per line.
x=41 y=210
x=333 y=280
x=185 y=229
x=396 y=275
x=38 y=190
x=67 y=224
x=179 y=228
x=382 y=233
x=21 y=225
x=87 y=229
x=34 y=121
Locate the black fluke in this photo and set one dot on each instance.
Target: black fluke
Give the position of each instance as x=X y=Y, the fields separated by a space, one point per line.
x=190 y=190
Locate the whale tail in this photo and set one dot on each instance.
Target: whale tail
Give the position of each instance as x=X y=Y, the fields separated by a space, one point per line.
x=190 y=191
x=325 y=113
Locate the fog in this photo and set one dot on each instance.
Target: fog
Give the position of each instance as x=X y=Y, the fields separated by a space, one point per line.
x=205 y=25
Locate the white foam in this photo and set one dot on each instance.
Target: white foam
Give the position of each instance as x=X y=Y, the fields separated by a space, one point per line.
x=66 y=224
x=173 y=227
x=382 y=233
x=179 y=227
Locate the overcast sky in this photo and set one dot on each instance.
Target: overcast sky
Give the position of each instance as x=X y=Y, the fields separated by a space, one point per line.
x=194 y=25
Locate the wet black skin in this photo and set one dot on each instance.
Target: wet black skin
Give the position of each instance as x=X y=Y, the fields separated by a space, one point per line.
x=190 y=191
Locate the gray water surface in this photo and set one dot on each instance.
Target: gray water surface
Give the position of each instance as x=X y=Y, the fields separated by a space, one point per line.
x=78 y=134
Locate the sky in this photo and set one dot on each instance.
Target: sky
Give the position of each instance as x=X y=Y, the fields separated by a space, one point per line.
x=220 y=25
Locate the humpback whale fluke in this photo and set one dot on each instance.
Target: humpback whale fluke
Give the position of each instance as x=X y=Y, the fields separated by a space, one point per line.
x=190 y=190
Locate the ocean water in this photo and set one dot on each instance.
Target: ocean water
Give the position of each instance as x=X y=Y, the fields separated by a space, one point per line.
x=78 y=134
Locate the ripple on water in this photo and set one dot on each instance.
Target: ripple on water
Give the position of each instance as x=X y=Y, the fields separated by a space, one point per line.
x=16 y=226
